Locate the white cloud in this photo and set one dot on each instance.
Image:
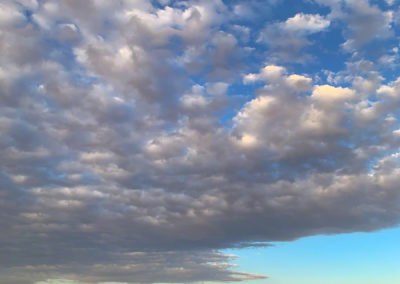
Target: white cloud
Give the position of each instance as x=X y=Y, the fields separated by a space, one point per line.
x=287 y=39
x=330 y=95
x=299 y=83
x=306 y=23
x=10 y=16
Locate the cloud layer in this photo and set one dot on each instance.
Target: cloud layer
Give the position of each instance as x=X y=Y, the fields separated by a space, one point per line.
x=130 y=153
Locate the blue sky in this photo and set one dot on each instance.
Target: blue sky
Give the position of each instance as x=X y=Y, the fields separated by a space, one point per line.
x=356 y=258
x=166 y=141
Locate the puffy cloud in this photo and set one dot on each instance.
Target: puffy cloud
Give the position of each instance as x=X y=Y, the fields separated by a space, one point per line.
x=269 y=73
x=330 y=95
x=218 y=88
x=287 y=39
x=10 y=15
x=306 y=23
x=299 y=83
x=365 y=21
x=121 y=163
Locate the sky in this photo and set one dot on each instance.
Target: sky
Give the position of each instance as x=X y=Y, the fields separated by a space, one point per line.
x=162 y=141
x=356 y=258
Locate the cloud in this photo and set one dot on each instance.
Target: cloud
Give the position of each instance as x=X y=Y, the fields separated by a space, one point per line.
x=287 y=39
x=390 y=2
x=120 y=161
x=143 y=267
x=306 y=23
x=365 y=22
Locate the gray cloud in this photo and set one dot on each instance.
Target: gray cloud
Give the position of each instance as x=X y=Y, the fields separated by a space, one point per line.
x=286 y=40
x=364 y=20
x=116 y=167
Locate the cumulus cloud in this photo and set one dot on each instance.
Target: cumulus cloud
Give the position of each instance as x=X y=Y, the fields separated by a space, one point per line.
x=120 y=162
x=364 y=20
x=306 y=23
x=287 y=39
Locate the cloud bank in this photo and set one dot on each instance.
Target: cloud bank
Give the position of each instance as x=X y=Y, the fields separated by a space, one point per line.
x=129 y=152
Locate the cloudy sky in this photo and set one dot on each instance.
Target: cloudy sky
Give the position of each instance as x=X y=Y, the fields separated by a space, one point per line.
x=162 y=141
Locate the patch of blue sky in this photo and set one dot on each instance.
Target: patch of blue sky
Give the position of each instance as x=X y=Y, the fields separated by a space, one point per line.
x=60 y=52
x=238 y=94
x=326 y=52
x=346 y=143
x=27 y=13
x=357 y=258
